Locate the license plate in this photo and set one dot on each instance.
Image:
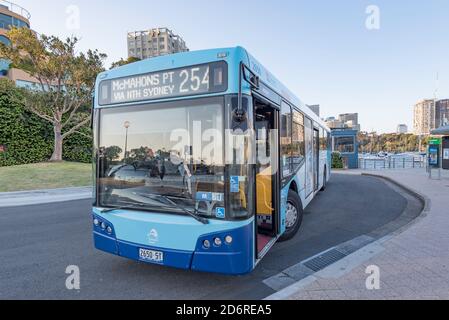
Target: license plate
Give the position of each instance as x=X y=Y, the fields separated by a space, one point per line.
x=151 y=255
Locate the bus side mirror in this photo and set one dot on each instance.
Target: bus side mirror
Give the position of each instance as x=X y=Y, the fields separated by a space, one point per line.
x=240 y=114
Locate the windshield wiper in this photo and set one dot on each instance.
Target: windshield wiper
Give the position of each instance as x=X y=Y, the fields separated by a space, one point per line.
x=190 y=213
x=130 y=206
x=174 y=205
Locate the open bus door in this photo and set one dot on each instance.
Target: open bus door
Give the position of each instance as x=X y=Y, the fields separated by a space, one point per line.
x=267 y=182
x=267 y=177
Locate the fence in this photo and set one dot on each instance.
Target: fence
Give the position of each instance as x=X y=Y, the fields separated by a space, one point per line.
x=15 y=8
x=392 y=163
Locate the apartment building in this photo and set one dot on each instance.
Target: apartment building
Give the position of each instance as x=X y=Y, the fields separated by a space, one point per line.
x=344 y=121
x=154 y=42
x=13 y=15
x=430 y=115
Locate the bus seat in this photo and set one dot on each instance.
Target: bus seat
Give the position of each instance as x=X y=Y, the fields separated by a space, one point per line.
x=264 y=182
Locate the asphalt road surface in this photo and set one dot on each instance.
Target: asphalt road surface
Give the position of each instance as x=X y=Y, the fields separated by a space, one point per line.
x=37 y=243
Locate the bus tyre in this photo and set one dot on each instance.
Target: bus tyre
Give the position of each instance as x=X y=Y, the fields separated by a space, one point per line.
x=294 y=216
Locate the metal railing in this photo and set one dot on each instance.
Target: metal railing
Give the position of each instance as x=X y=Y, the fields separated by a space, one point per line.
x=392 y=163
x=16 y=9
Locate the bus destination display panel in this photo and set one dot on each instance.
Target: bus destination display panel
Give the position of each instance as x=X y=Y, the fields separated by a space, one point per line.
x=189 y=81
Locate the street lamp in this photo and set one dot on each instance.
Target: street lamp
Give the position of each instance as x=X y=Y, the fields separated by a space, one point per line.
x=126 y=125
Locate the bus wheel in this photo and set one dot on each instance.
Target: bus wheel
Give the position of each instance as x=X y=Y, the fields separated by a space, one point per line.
x=324 y=180
x=294 y=216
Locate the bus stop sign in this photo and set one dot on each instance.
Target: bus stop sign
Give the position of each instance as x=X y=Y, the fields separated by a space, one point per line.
x=435 y=141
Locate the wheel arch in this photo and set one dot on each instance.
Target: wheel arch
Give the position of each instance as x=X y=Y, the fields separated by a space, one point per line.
x=294 y=187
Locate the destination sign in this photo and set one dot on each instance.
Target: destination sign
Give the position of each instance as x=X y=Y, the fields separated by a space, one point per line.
x=195 y=80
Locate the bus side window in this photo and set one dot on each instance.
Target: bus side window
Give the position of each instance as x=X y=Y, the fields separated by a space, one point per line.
x=298 y=140
x=323 y=140
x=286 y=140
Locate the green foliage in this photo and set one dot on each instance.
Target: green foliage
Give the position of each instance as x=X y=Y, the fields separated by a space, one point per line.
x=112 y=153
x=65 y=80
x=337 y=161
x=30 y=139
x=78 y=147
x=26 y=137
x=123 y=62
x=394 y=143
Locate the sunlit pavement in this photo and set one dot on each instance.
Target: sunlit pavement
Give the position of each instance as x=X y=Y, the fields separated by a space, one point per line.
x=23 y=198
x=38 y=243
x=411 y=264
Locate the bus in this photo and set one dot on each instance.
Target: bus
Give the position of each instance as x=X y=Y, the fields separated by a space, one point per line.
x=203 y=161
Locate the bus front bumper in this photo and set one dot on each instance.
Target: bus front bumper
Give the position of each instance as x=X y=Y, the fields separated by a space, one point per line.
x=233 y=259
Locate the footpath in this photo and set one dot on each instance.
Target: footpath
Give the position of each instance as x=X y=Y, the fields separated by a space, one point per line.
x=412 y=263
x=18 y=199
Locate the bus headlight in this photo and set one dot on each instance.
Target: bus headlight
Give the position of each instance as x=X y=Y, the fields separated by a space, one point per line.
x=96 y=222
x=217 y=242
x=109 y=230
x=206 y=244
x=103 y=226
x=228 y=240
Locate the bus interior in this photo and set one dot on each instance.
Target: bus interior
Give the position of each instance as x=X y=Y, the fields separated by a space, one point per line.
x=266 y=176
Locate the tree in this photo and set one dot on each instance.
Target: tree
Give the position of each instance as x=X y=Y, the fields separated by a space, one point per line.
x=66 y=80
x=374 y=143
x=337 y=161
x=112 y=153
x=123 y=62
x=139 y=154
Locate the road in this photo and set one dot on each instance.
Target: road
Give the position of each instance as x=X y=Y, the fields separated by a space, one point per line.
x=38 y=242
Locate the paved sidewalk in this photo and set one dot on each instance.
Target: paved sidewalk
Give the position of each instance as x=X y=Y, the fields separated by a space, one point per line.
x=413 y=263
x=17 y=199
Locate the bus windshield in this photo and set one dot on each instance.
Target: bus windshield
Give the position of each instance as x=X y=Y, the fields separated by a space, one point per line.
x=166 y=157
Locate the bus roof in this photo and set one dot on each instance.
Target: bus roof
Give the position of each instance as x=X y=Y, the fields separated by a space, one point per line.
x=233 y=56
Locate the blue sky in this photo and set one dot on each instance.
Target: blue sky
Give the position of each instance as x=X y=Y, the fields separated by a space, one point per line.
x=320 y=49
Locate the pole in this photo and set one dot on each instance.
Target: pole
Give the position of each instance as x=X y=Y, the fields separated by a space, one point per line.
x=126 y=144
x=126 y=125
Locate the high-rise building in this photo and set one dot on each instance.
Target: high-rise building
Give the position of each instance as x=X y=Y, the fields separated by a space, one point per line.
x=402 y=129
x=430 y=115
x=154 y=42
x=442 y=113
x=13 y=15
x=347 y=117
x=345 y=121
x=424 y=117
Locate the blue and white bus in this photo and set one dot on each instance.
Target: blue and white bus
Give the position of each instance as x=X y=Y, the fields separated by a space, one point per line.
x=204 y=160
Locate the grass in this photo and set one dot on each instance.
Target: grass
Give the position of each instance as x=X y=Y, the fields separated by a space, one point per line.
x=45 y=176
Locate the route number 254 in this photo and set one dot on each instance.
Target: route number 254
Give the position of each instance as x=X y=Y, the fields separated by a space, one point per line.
x=194 y=80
